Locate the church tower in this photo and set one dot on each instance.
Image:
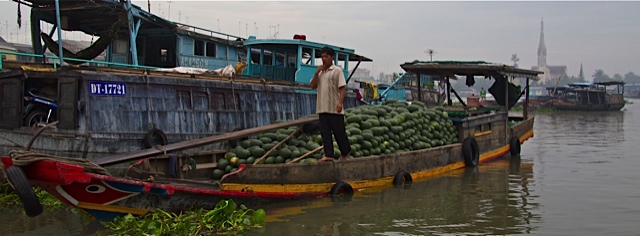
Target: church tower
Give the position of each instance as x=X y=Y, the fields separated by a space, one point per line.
x=542 y=55
x=542 y=49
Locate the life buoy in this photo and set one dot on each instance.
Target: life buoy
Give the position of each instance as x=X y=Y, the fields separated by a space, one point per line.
x=341 y=187
x=514 y=144
x=154 y=133
x=402 y=178
x=470 y=151
x=30 y=202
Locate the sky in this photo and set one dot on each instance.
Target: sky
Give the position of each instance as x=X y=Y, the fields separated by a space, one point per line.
x=598 y=35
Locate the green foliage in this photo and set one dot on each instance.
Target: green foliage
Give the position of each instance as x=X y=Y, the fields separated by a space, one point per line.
x=227 y=217
x=9 y=197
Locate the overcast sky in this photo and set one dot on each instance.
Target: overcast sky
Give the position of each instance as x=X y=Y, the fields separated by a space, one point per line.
x=600 y=35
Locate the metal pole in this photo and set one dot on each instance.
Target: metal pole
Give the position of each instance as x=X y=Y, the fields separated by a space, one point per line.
x=526 y=102
x=59 y=33
x=133 y=34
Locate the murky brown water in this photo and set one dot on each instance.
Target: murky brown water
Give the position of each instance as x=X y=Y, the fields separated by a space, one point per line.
x=577 y=176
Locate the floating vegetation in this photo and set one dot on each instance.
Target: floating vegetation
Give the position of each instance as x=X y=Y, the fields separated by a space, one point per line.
x=227 y=217
x=9 y=197
x=534 y=109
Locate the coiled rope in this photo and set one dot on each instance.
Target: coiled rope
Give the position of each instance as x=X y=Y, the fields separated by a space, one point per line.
x=23 y=158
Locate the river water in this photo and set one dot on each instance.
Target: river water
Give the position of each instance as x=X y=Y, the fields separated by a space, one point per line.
x=577 y=176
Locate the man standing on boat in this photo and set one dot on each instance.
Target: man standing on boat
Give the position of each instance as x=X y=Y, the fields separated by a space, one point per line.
x=483 y=94
x=331 y=89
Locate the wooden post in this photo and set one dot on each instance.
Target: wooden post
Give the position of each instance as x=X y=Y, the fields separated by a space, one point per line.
x=419 y=88
x=525 y=110
x=506 y=104
x=449 y=92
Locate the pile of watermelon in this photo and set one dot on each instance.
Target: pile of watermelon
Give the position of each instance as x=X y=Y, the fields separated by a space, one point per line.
x=372 y=130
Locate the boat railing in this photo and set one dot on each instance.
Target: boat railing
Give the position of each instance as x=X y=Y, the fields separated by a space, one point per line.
x=204 y=31
x=55 y=61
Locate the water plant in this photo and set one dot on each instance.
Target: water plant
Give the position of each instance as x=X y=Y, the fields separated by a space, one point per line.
x=9 y=197
x=227 y=217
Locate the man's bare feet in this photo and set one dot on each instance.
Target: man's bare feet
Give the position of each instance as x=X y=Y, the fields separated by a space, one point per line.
x=345 y=157
x=326 y=158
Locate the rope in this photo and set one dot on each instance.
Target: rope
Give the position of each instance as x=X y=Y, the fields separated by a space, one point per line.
x=23 y=158
x=233 y=92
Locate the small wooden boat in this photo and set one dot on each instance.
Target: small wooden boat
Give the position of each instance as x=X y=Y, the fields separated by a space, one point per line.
x=154 y=182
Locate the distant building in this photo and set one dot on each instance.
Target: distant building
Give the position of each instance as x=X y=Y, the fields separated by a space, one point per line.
x=7 y=47
x=360 y=75
x=550 y=72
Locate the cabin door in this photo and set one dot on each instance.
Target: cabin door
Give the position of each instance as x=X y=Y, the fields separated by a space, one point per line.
x=11 y=103
x=68 y=103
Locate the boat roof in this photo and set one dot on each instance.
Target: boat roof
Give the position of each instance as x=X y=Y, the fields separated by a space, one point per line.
x=295 y=43
x=610 y=83
x=467 y=68
x=96 y=17
x=6 y=46
x=581 y=84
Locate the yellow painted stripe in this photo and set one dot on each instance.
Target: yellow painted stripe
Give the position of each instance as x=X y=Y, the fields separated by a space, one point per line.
x=361 y=184
x=482 y=133
x=495 y=153
x=111 y=208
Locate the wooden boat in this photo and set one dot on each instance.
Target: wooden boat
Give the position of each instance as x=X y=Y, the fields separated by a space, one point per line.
x=588 y=96
x=153 y=183
x=161 y=90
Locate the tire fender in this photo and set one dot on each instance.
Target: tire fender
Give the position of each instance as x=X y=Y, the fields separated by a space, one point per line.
x=515 y=147
x=152 y=133
x=470 y=151
x=30 y=202
x=341 y=187
x=401 y=178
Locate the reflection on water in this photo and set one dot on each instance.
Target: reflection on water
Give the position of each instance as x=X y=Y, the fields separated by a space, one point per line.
x=61 y=220
x=492 y=199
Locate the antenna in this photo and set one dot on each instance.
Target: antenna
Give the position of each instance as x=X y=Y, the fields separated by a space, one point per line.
x=169 y=14
x=430 y=52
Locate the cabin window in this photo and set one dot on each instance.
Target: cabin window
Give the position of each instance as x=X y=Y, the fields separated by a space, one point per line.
x=293 y=58
x=211 y=49
x=163 y=54
x=119 y=46
x=318 y=58
x=307 y=58
x=198 y=48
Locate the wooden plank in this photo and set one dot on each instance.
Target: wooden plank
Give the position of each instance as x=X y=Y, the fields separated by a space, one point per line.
x=125 y=157
x=206 y=166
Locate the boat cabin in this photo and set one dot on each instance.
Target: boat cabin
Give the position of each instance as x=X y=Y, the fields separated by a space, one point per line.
x=294 y=60
x=588 y=96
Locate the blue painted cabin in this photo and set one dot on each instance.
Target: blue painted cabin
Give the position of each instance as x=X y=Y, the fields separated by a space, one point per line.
x=293 y=60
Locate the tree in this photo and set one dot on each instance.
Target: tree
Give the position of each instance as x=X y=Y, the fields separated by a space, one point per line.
x=515 y=59
x=631 y=78
x=581 y=75
x=617 y=77
x=600 y=76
